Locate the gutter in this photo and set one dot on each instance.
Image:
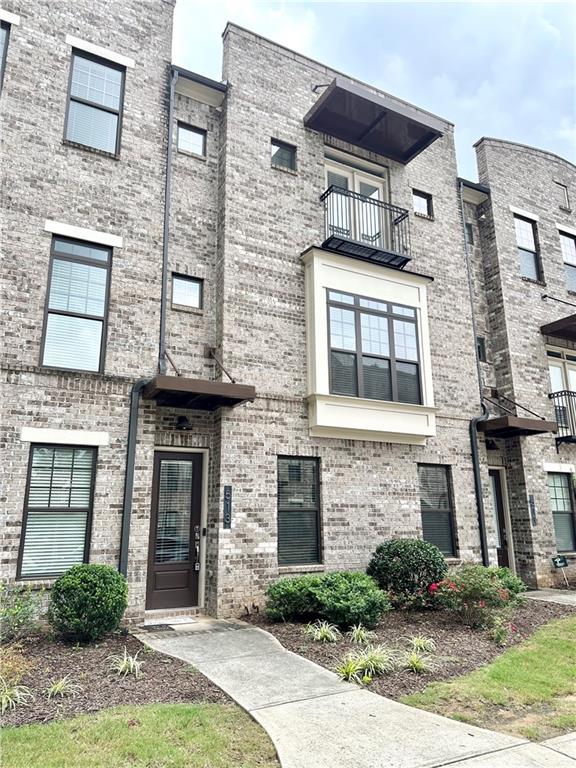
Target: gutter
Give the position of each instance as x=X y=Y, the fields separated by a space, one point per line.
x=473 y=425
x=167 y=197
x=129 y=473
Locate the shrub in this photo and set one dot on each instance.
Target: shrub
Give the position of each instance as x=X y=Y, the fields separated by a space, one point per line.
x=63 y=688
x=417 y=662
x=406 y=568
x=422 y=644
x=12 y=696
x=350 y=669
x=343 y=598
x=359 y=634
x=87 y=602
x=377 y=660
x=125 y=664
x=322 y=632
x=509 y=580
x=475 y=594
x=18 y=607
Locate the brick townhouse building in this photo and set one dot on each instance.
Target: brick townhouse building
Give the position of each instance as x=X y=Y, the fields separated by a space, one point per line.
x=255 y=326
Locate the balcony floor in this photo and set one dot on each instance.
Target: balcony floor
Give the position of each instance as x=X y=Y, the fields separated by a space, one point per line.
x=364 y=251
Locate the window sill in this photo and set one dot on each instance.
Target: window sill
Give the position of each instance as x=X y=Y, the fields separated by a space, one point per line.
x=355 y=418
x=90 y=150
x=283 y=570
x=53 y=369
x=189 y=310
x=281 y=168
x=191 y=154
x=424 y=216
x=531 y=280
x=35 y=583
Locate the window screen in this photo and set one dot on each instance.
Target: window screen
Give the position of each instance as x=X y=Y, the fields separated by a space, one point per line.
x=436 y=506
x=76 y=306
x=95 y=102
x=562 y=511
x=58 y=506
x=298 y=511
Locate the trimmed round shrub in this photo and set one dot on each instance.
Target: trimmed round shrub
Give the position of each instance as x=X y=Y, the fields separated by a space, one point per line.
x=509 y=580
x=405 y=568
x=88 y=601
x=344 y=598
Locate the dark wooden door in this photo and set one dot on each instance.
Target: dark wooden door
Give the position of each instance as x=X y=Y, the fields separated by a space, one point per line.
x=174 y=548
x=501 y=532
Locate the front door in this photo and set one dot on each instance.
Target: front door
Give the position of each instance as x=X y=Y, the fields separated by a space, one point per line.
x=174 y=549
x=499 y=517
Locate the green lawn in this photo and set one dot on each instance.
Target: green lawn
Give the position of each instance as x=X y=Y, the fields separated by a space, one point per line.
x=153 y=736
x=530 y=690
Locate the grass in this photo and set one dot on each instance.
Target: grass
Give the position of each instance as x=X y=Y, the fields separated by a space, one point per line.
x=152 y=736
x=530 y=690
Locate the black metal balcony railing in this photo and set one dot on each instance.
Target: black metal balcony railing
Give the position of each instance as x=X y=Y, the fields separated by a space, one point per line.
x=367 y=228
x=565 y=414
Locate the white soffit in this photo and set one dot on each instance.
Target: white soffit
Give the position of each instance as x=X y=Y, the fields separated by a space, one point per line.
x=9 y=18
x=560 y=468
x=97 y=50
x=63 y=436
x=80 y=233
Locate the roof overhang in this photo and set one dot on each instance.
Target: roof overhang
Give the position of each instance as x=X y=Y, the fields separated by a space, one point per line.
x=199 y=88
x=199 y=394
x=474 y=193
x=376 y=122
x=562 y=329
x=503 y=427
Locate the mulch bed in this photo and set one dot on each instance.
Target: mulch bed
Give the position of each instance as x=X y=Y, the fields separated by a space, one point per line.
x=459 y=649
x=162 y=680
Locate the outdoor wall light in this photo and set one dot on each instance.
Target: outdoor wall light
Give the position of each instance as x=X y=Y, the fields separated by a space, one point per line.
x=183 y=424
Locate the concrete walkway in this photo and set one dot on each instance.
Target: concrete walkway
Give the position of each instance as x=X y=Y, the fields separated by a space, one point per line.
x=560 y=596
x=317 y=721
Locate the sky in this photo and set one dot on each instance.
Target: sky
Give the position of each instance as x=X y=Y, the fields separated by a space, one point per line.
x=500 y=69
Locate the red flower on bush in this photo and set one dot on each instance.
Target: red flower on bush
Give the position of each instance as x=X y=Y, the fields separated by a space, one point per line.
x=433 y=588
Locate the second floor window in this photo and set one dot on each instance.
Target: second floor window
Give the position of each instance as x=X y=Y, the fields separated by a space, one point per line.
x=4 y=35
x=76 y=307
x=568 y=245
x=527 y=242
x=95 y=103
x=283 y=155
x=191 y=140
x=422 y=202
x=373 y=349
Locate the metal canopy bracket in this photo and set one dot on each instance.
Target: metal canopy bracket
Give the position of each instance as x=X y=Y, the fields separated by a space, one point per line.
x=376 y=122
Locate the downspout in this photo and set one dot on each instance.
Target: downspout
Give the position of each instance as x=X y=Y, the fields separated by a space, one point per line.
x=129 y=474
x=167 y=197
x=473 y=431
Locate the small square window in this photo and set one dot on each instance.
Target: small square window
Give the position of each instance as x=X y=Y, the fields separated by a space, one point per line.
x=187 y=291
x=283 y=155
x=562 y=196
x=422 y=203
x=481 y=348
x=469 y=233
x=191 y=140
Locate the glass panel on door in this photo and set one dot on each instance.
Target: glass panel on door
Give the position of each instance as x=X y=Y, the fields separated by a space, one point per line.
x=339 y=215
x=370 y=218
x=174 y=510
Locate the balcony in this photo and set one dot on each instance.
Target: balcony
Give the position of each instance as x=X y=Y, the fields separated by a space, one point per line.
x=565 y=415
x=366 y=228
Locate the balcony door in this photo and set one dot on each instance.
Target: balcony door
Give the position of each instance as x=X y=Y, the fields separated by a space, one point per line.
x=501 y=522
x=354 y=216
x=562 y=375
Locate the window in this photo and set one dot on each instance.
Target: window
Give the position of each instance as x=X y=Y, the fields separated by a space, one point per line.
x=191 y=140
x=469 y=233
x=562 y=196
x=422 y=203
x=58 y=507
x=526 y=241
x=283 y=155
x=436 y=506
x=562 y=511
x=95 y=103
x=568 y=246
x=76 y=306
x=187 y=291
x=481 y=348
x=373 y=349
x=298 y=511
x=4 y=36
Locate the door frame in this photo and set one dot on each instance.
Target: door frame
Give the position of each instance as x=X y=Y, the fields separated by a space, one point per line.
x=507 y=519
x=203 y=517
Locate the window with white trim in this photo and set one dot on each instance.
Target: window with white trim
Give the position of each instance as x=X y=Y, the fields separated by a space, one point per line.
x=562 y=505
x=58 y=508
x=190 y=140
x=528 y=251
x=95 y=102
x=568 y=246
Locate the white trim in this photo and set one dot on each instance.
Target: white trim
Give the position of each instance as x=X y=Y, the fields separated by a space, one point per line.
x=203 y=516
x=9 y=18
x=564 y=228
x=97 y=50
x=565 y=469
x=524 y=214
x=80 y=233
x=507 y=518
x=63 y=436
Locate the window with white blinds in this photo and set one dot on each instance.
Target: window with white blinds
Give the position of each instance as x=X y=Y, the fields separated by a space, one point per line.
x=562 y=511
x=437 y=507
x=298 y=511
x=373 y=349
x=95 y=103
x=76 y=306
x=58 y=508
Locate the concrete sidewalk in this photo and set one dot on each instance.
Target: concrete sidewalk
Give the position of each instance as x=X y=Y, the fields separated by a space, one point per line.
x=559 y=596
x=317 y=721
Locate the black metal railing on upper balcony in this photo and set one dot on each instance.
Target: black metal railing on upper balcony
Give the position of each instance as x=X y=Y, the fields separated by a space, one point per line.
x=565 y=415
x=366 y=228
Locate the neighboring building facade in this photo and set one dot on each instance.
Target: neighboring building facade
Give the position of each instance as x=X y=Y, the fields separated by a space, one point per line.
x=249 y=350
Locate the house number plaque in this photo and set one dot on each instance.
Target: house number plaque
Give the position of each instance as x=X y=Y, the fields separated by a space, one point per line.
x=227 y=506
